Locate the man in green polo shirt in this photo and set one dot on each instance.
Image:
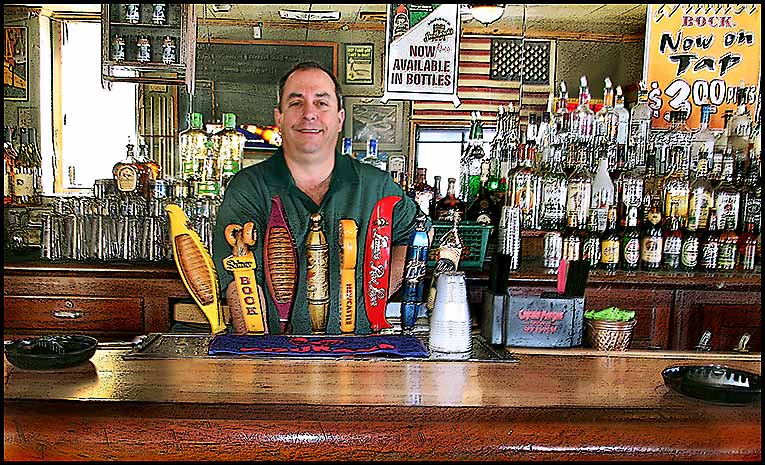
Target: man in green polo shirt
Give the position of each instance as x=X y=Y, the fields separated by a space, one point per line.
x=310 y=176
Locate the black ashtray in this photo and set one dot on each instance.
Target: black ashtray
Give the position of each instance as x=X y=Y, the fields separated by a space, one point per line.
x=50 y=352
x=714 y=383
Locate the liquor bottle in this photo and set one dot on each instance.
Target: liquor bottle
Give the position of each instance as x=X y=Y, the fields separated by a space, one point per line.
x=610 y=243
x=722 y=158
x=553 y=190
x=602 y=197
x=740 y=127
x=118 y=48
x=630 y=241
x=531 y=138
x=751 y=197
x=26 y=173
x=709 y=248
x=169 y=55
x=131 y=177
x=651 y=241
x=143 y=46
x=630 y=193
x=728 y=254
x=483 y=210
x=674 y=147
x=689 y=250
x=544 y=145
x=159 y=13
x=192 y=144
x=703 y=141
x=272 y=135
x=436 y=196
x=228 y=146
x=727 y=201
x=400 y=21
x=9 y=159
x=562 y=118
x=640 y=126
x=591 y=245
x=621 y=135
x=747 y=247
x=572 y=239
x=450 y=205
x=144 y=158
x=605 y=126
x=672 y=241
x=578 y=194
x=470 y=161
x=525 y=185
x=652 y=188
x=132 y=13
x=581 y=148
x=413 y=286
x=317 y=276
x=423 y=192
x=700 y=198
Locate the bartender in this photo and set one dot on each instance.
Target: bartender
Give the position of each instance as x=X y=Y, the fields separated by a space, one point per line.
x=310 y=176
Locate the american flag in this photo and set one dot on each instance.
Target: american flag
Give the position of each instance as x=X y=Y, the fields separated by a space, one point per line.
x=478 y=92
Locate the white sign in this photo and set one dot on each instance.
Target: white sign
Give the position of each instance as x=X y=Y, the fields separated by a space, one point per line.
x=422 y=53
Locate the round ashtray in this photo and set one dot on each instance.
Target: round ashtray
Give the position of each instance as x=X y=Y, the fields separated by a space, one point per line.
x=714 y=383
x=50 y=352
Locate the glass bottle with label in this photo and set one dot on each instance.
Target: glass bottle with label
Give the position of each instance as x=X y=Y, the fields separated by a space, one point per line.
x=436 y=196
x=144 y=158
x=751 y=197
x=610 y=244
x=722 y=159
x=525 y=185
x=640 y=126
x=553 y=191
x=740 y=127
x=130 y=176
x=673 y=241
x=629 y=189
x=703 y=141
x=689 y=250
x=9 y=159
x=450 y=204
x=228 y=145
x=727 y=201
x=620 y=133
x=572 y=239
x=159 y=13
x=581 y=148
x=709 y=247
x=652 y=241
x=747 y=247
x=604 y=124
x=630 y=241
x=700 y=198
x=602 y=197
x=143 y=47
x=578 y=194
x=27 y=169
x=423 y=192
x=591 y=246
x=192 y=145
x=483 y=210
x=674 y=149
x=728 y=254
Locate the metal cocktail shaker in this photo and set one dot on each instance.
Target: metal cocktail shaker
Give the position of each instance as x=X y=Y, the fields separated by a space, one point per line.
x=450 y=320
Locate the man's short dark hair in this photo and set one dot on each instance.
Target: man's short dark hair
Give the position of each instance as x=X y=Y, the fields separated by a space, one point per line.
x=311 y=65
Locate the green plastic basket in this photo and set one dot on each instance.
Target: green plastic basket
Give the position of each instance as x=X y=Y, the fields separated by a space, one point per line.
x=475 y=238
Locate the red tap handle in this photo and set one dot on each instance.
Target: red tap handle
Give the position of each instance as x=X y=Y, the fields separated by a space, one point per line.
x=377 y=262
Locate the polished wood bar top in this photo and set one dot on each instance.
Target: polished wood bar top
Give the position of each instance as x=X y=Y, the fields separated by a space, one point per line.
x=549 y=405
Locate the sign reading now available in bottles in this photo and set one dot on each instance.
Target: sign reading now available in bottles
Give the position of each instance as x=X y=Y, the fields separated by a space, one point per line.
x=700 y=52
x=422 y=44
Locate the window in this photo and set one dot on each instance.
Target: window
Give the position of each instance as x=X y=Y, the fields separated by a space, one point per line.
x=95 y=123
x=439 y=150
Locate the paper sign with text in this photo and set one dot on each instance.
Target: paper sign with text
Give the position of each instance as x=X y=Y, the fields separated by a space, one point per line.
x=701 y=52
x=422 y=44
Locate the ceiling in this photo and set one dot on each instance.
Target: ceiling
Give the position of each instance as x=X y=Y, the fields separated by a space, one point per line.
x=561 y=20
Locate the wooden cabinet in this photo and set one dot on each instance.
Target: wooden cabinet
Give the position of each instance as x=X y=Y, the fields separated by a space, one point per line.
x=110 y=301
x=140 y=50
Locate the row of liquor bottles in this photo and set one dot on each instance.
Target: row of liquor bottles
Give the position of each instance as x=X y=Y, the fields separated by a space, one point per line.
x=565 y=166
x=658 y=244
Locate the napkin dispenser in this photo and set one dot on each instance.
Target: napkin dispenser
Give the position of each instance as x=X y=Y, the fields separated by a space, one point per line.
x=551 y=319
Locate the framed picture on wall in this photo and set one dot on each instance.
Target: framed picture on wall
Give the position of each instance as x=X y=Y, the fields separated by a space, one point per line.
x=366 y=117
x=15 y=64
x=358 y=64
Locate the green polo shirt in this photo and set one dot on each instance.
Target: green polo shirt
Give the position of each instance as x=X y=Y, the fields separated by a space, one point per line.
x=353 y=191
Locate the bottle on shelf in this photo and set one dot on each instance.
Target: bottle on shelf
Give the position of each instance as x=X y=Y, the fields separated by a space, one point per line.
x=27 y=168
x=579 y=194
x=228 y=146
x=143 y=157
x=605 y=126
x=423 y=192
x=709 y=247
x=629 y=192
x=591 y=244
x=553 y=190
x=620 y=133
x=751 y=197
x=630 y=241
x=672 y=241
x=728 y=251
x=740 y=128
x=471 y=160
x=639 y=131
x=581 y=147
x=602 y=197
x=192 y=145
x=413 y=285
x=699 y=198
x=689 y=250
x=524 y=190
x=572 y=239
x=703 y=140
x=450 y=204
x=436 y=196
x=610 y=244
x=483 y=210
x=674 y=149
x=747 y=247
x=9 y=159
x=651 y=240
x=131 y=177
x=722 y=158
x=727 y=201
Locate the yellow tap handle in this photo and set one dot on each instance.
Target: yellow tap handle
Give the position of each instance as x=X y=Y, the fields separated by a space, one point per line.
x=348 y=247
x=243 y=267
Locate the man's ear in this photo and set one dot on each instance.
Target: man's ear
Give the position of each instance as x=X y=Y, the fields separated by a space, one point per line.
x=277 y=117
x=341 y=118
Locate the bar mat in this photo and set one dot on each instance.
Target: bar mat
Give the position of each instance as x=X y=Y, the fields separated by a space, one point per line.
x=317 y=346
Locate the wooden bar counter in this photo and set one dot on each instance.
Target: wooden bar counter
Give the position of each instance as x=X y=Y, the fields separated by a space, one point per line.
x=551 y=405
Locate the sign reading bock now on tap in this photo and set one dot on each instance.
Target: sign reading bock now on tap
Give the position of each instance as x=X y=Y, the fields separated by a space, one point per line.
x=696 y=53
x=422 y=44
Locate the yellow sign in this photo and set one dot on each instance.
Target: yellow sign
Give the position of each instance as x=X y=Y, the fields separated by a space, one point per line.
x=701 y=52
